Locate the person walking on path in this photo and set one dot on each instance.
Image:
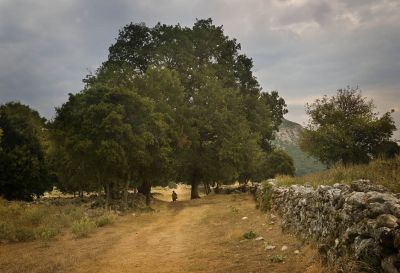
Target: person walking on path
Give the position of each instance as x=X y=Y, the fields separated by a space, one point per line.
x=174 y=196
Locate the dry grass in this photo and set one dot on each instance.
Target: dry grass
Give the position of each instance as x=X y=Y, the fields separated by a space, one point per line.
x=379 y=171
x=202 y=236
x=22 y=221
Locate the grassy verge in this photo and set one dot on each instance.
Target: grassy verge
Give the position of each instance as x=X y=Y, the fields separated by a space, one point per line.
x=379 y=171
x=21 y=221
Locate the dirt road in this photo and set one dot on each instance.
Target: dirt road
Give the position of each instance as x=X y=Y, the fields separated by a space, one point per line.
x=188 y=236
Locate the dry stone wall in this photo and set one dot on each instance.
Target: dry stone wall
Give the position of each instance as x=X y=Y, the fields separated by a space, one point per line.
x=354 y=225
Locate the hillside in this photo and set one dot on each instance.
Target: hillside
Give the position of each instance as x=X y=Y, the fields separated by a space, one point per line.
x=287 y=139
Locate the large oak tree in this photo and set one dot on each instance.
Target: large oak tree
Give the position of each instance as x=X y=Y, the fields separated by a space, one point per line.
x=225 y=121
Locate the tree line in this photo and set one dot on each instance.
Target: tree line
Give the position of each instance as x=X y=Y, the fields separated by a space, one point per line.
x=170 y=103
x=174 y=103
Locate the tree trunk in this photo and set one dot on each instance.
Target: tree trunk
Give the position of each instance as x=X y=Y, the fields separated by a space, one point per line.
x=194 y=193
x=145 y=189
x=108 y=195
x=125 y=197
x=207 y=189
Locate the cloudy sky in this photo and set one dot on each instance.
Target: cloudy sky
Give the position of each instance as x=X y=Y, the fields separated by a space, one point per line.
x=301 y=48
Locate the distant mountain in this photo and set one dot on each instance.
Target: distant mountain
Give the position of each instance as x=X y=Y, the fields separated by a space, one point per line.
x=287 y=139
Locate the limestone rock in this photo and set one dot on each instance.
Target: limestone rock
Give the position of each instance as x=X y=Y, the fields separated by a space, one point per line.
x=359 y=222
x=269 y=247
x=386 y=220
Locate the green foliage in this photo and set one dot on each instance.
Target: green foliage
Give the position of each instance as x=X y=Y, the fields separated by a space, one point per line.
x=387 y=149
x=380 y=171
x=218 y=122
x=345 y=129
x=47 y=232
x=24 y=171
x=277 y=259
x=250 y=235
x=83 y=227
x=267 y=195
x=108 y=136
x=277 y=162
x=234 y=209
x=170 y=103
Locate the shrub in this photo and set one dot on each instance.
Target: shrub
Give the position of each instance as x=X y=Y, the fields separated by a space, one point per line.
x=267 y=195
x=47 y=233
x=277 y=259
x=33 y=216
x=249 y=235
x=106 y=219
x=234 y=209
x=81 y=228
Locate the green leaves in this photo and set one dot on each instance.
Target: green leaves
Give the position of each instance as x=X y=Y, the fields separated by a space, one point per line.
x=173 y=103
x=345 y=128
x=23 y=169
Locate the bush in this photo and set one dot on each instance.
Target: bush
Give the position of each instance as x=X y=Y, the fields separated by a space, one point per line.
x=249 y=235
x=277 y=259
x=47 y=233
x=70 y=214
x=33 y=216
x=267 y=195
x=106 y=219
x=83 y=227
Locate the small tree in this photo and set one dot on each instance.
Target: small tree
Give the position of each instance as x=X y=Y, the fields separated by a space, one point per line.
x=344 y=128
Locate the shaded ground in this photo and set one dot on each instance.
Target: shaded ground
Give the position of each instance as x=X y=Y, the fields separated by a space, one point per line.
x=188 y=236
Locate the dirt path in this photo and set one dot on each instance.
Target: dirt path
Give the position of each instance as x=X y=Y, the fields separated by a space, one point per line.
x=189 y=236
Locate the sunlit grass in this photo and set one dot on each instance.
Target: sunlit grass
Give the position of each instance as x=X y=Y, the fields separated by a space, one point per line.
x=379 y=171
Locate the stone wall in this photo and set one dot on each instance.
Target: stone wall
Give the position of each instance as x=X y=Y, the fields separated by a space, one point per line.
x=354 y=225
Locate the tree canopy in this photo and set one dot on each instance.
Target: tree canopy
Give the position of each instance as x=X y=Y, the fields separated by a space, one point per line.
x=344 y=128
x=112 y=135
x=225 y=121
x=23 y=170
x=170 y=103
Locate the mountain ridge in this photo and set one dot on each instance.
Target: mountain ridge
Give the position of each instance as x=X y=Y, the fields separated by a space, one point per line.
x=286 y=138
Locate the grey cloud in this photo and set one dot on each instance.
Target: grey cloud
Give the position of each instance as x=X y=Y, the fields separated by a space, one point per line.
x=302 y=48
